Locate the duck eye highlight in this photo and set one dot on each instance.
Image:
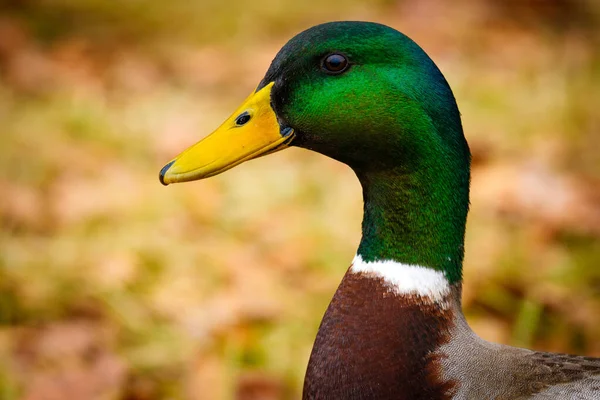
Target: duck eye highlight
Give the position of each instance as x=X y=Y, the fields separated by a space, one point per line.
x=335 y=63
x=242 y=119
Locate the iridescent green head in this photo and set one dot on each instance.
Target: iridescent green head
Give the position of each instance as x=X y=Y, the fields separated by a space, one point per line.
x=374 y=111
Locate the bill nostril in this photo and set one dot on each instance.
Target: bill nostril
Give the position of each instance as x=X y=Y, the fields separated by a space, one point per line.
x=243 y=118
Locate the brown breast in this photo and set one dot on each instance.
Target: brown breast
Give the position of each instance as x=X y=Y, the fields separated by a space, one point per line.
x=374 y=344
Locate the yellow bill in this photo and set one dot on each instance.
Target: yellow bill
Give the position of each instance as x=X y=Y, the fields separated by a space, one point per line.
x=251 y=131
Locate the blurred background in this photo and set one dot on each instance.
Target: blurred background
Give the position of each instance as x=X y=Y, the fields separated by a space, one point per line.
x=115 y=287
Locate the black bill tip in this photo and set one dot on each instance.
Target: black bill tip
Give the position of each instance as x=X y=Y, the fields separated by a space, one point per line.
x=163 y=171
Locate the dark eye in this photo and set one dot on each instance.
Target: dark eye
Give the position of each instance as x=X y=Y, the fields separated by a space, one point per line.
x=242 y=119
x=335 y=63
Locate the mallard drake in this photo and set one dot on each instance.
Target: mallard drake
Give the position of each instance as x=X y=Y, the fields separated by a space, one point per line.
x=368 y=96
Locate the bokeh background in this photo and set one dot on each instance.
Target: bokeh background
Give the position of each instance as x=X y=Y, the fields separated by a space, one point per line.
x=115 y=287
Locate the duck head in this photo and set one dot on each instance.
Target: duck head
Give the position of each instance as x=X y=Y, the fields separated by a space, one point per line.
x=368 y=96
x=361 y=93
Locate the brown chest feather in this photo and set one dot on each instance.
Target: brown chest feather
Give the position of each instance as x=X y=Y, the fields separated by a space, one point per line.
x=378 y=345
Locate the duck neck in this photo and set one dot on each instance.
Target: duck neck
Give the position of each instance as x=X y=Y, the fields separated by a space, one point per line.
x=416 y=215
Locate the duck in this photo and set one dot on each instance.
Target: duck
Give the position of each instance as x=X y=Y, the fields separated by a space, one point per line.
x=368 y=96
